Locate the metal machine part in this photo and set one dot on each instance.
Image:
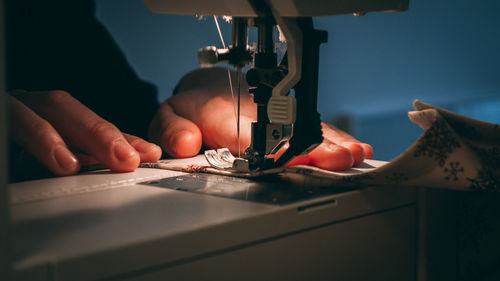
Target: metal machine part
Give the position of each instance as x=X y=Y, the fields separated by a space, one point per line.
x=281 y=118
x=276 y=190
x=270 y=83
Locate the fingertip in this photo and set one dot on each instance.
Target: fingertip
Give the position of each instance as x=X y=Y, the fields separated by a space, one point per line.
x=148 y=152
x=182 y=144
x=155 y=153
x=66 y=162
x=332 y=157
x=126 y=158
x=357 y=151
x=368 y=150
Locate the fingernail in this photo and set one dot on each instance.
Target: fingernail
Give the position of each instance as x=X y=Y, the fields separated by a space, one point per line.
x=66 y=160
x=123 y=151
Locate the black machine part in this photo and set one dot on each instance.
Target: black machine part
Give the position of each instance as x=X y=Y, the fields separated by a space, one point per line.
x=262 y=79
x=267 y=137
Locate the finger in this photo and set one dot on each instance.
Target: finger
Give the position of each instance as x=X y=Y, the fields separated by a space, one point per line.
x=84 y=130
x=178 y=136
x=216 y=117
x=338 y=136
x=327 y=155
x=219 y=128
x=149 y=152
x=41 y=139
x=357 y=151
x=332 y=157
x=368 y=150
x=86 y=160
x=300 y=160
x=205 y=97
x=221 y=131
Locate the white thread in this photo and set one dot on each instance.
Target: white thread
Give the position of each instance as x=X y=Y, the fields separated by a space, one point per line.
x=236 y=116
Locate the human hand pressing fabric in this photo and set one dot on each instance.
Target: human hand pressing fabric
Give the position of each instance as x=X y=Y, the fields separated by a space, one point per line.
x=202 y=113
x=63 y=135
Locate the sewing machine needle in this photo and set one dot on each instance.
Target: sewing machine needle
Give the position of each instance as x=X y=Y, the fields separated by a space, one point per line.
x=237 y=116
x=238 y=69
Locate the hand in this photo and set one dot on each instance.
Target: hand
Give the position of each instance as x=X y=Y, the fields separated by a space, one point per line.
x=63 y=134
x=202 y=113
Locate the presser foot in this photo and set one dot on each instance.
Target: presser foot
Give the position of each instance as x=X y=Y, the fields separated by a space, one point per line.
x=223 y=159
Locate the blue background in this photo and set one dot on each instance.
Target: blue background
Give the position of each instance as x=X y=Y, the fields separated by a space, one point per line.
x=441 y=52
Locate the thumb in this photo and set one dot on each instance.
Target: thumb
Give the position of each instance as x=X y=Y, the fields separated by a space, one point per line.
x=176 y=135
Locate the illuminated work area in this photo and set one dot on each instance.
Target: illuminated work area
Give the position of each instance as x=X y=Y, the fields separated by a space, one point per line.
x=244 y=181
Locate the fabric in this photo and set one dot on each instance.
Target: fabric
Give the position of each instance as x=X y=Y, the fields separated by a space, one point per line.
x=455 y=152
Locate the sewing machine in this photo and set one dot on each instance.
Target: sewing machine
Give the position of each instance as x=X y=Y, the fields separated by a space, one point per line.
x=164 y=225
x=281 y=118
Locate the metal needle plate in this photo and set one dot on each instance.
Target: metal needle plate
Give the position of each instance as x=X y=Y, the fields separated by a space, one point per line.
x=274 y=189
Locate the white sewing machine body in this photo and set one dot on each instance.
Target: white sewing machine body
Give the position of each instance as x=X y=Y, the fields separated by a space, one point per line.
x=109 y=226
x=286 y=8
